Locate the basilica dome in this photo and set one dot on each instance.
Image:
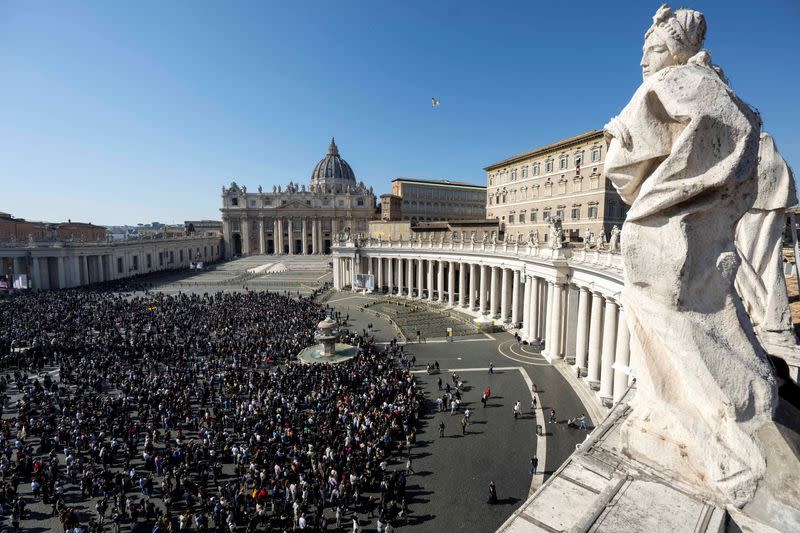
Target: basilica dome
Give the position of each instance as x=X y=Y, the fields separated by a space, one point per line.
x=333 y=172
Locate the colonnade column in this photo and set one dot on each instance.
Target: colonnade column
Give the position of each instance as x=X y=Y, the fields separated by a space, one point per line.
x=609 y=347
x=595 y=340
x=547 y=319
x=380 y=274
x=431 y=264
x=62 y=275
x=440 y=280
x=337 y=281
x=482 y=302
x=410 y=277
x=526 y=309
x=494 y=300
x=262 y=249
x=85 y=269
x=515 y=299
x=473 y=277
x=504 y=290
x=534 y=320
x=581 y=336
x=622 y=356
x=390 y=274
x=420 y=277
x=290 y=233
x=451 y=283
x=399 y=276
x=304 y=239
x=462 y=284
x=552 y=349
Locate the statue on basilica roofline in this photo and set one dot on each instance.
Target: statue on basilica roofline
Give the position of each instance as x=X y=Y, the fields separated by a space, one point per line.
x=684 y=153
x=556 y=233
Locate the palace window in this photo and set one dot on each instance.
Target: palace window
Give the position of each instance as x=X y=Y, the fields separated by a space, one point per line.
x=513 y=175
x=595 y=182
x=562 y=185
x=536 y=167
x=548 y=166
x=267 y=202
x=560 y=213
x=546 y=214
x=592 y=211
x=511 y=218
x=562 y=163
x=525 y=171
x=578 y=160
x=534 y=215
x=595 y=154
x=522 y=218
x=535 y=191
x=576 y=213
x=577 y=184
x=548 y=188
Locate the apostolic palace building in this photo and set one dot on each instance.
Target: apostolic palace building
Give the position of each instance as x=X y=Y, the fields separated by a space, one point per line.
x=297 y=219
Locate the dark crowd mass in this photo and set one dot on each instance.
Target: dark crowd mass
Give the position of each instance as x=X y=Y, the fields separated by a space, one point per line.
x=166 y=413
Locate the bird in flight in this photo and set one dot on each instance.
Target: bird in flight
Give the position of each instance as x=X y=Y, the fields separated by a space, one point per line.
x=434 y=102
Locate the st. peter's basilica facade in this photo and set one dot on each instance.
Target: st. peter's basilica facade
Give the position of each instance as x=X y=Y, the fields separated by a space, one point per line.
x=297 y=219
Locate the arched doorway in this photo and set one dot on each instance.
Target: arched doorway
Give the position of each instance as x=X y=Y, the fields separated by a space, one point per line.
x=237 y=244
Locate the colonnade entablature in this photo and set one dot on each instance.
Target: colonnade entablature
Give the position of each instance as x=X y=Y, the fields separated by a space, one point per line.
x=564 y=300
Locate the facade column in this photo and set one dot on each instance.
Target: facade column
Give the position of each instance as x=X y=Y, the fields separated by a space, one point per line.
x=262 y=247
x=410 y=277
x=582 y=334
x=431 y=266
x=505 y=283
x=277 y=236
x=473 y=278
x=515 y=299
x=245 y=225
x=609 y=349
x=535 y=305
x=622 y=356
x=552 y=349
x=440 y=280
x=526 y=309
x=275 y=233
x=380 y=274
x=290 y=232
x=462 y=284
x=494 y=298
x=314 y=236
x=390 y=274
x=304 y=239
x=420 y=277
x=451 y=283
x=595 y=341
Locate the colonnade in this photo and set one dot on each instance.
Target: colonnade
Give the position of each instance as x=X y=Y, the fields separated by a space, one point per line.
x=578 y=323
x=58 y=265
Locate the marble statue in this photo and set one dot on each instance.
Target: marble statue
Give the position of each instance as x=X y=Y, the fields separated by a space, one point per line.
x=259 y=189
x=683 y=154
x=759 y=238
x=587 y=238
x=472 y=236
x=613 y=243
x=485 y=237
x=556 y=233
x=274 y=189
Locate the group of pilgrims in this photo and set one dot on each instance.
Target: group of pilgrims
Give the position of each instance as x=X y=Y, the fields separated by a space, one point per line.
x=152 y=412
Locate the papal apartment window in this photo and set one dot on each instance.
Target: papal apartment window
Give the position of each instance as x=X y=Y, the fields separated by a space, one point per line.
x=234 y=201
x=592 y=211
x=525 y=171
x=562 y=186
x=513 y=175
x=578 y=160
x=548 y=189
x=576 y=184
x=595 y=182
x=534 y=216
x=548 y=167
x=562 y=163
x=510 y=219
x=595 y=155
x=522 y=218
x=576 y=213
x=560 y=213
x=546 y=214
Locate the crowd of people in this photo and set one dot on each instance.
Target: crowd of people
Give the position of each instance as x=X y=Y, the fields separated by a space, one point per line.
x=156 y=412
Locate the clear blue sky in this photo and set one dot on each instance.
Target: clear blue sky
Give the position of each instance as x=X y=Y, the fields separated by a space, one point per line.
x=126 y=112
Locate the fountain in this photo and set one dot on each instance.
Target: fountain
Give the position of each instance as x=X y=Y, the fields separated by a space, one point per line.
x=328 y=350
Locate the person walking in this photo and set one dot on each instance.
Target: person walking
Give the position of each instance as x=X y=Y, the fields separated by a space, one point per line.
x=409 y=467
x=441 y=428
x=492 y=493
x=491 y=368
x=439 y=382
x=552 y=416
x=483 y=400
x=534 y=465
x=517 y=409
x=463 y=425
x=533 y=403
x=467 y=414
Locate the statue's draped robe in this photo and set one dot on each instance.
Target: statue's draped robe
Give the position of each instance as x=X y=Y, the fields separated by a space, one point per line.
x=683 y=154
x=759 y=238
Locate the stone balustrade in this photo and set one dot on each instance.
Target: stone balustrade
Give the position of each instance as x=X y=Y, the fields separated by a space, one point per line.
x=563 y=299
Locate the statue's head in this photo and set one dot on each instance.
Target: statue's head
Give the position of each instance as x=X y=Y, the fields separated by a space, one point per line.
x=673 y=38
